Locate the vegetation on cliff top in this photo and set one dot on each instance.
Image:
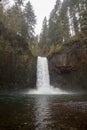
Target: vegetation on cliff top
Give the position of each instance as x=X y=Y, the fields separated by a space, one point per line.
x=66 y=26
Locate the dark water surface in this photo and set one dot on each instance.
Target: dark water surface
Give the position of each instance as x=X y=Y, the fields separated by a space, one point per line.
x=42 y=112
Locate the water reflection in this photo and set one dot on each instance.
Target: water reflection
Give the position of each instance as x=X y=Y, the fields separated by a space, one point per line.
x=42 y=113
x=36 y=112
x=48 y=115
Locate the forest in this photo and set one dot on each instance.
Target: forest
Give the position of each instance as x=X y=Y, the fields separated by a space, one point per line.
x=63 y=34
x=43 y=77
x=16 y=35
x=67 y=24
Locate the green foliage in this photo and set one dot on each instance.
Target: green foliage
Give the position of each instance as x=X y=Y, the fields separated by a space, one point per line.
x=84 y=22
x=17 y=65
x=67 y=20
x=29 y=19
x=44 y=33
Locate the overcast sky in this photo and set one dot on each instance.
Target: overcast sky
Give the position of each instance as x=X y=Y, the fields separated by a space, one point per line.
x=42 y=8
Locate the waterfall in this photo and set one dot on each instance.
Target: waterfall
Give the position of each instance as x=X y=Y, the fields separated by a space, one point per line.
x=43 y=79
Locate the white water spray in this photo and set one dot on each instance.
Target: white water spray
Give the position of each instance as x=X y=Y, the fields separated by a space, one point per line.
x=43 y=82
x=43 y=79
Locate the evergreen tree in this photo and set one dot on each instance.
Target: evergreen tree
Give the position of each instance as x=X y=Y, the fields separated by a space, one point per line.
x=16 y=61
x=55 y=25
x=84 y=22
x=44 y=33
x=14 y=19
x=52 y=27
x=19 y=2
x=29 y=19
x=66 y=19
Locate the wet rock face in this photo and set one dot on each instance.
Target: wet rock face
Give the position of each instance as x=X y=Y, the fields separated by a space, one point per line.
x=67 y=71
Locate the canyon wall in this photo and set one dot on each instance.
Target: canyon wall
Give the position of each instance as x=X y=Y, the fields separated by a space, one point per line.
x=68 y=67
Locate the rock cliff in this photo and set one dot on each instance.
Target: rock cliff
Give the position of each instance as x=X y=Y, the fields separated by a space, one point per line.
x=68 y=67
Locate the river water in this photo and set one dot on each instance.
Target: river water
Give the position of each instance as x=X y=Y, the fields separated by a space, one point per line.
x=20 y=111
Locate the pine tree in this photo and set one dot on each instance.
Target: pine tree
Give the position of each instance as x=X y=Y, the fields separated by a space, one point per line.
x=18 y=2
x=30 y=19
x=14 y=19
x=84 y=22
x=52 y=27
x=55 y=24
x=44 y=33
